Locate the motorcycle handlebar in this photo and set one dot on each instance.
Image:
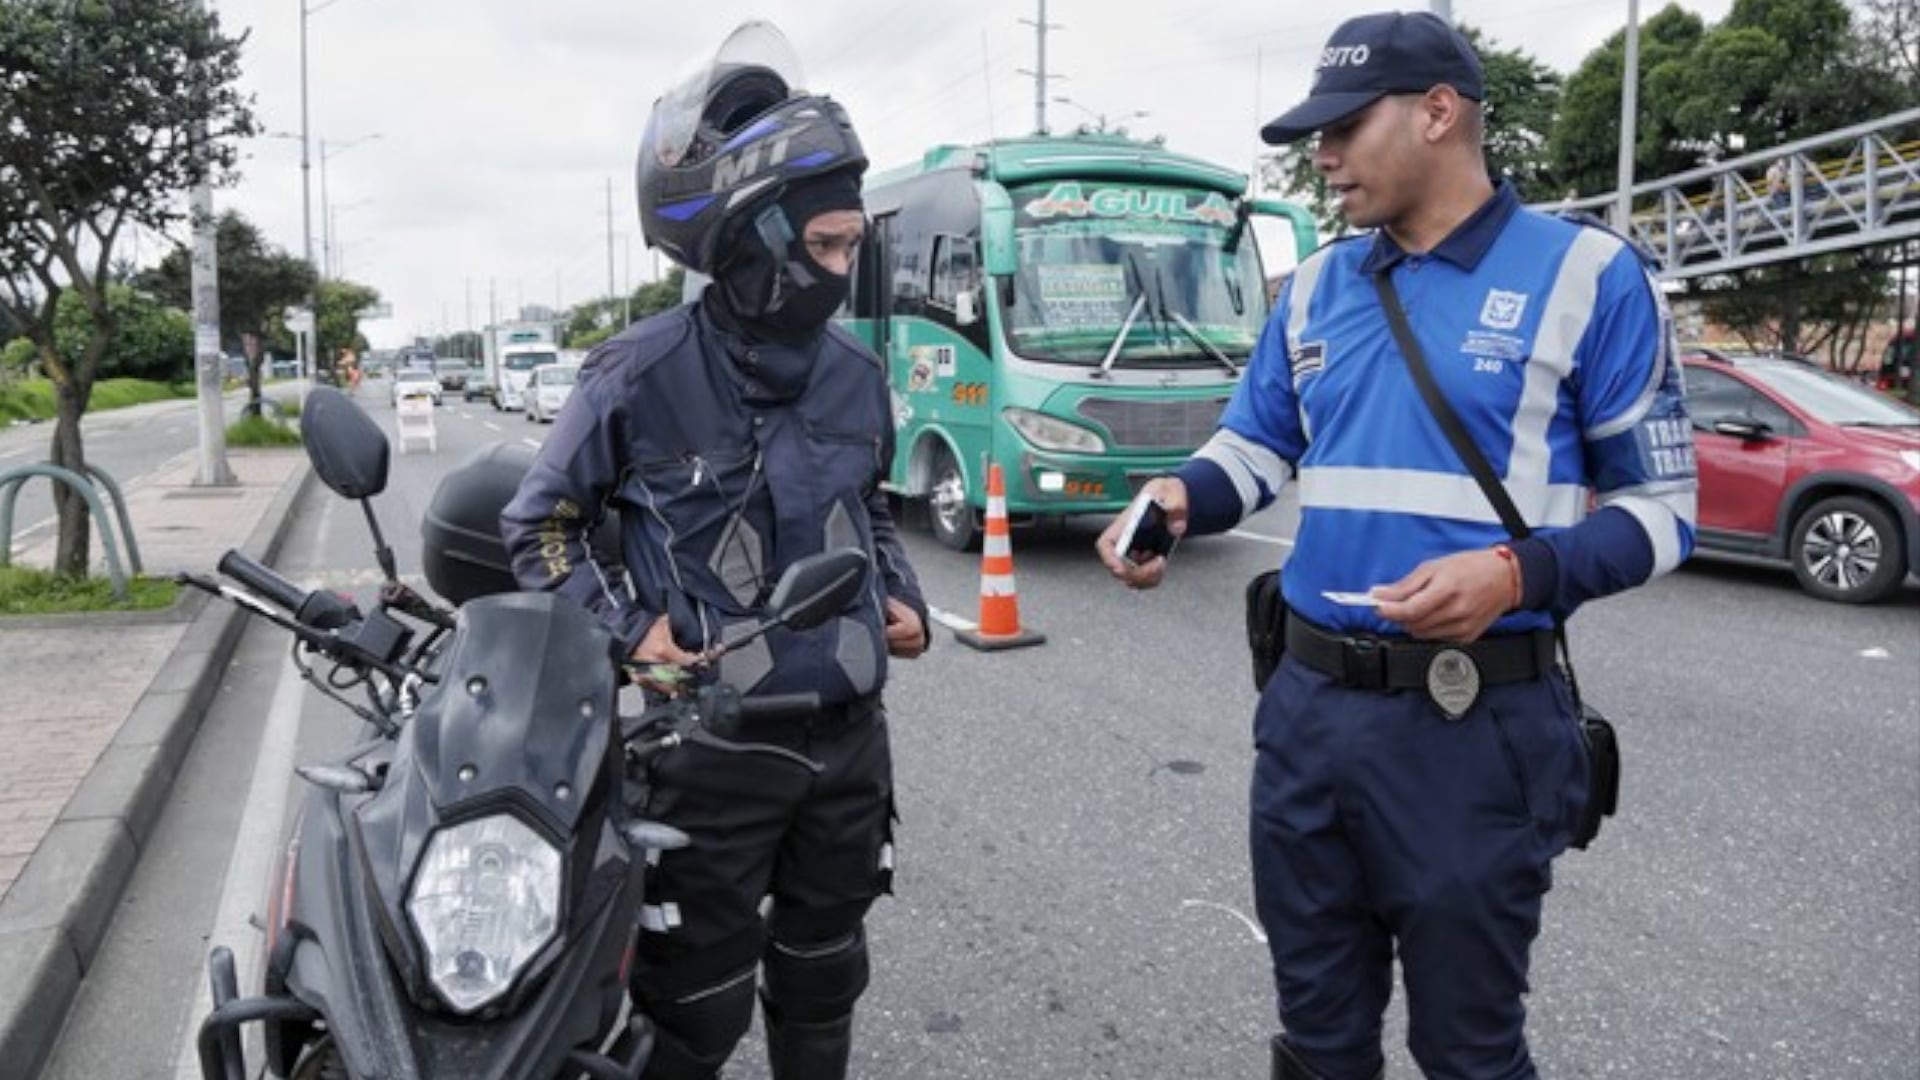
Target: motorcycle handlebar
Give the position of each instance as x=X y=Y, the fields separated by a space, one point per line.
x=262 y=579
x=779 y=706
x=319 y=609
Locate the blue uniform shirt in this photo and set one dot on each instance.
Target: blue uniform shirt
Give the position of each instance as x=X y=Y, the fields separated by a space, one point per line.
x=1549 y=339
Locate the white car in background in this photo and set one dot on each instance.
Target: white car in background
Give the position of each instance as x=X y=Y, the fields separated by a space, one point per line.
x=416 y=382
x=548 y=388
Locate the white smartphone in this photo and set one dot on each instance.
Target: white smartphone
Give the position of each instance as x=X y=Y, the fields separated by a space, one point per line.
x=1145 y=534
x=1353 y=599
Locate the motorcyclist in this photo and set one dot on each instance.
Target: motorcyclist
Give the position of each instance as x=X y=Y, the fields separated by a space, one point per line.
x=734 y=435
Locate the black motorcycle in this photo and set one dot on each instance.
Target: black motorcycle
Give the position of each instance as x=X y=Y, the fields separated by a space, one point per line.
x=461 y=892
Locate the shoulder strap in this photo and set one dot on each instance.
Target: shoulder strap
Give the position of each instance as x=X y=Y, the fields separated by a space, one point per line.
x=1464 y=445
x=1456 y=432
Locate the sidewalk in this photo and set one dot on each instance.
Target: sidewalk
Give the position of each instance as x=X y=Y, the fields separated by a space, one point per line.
x=96 y=714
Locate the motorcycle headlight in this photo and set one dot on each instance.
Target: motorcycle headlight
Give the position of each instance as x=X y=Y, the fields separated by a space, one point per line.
x=485 y=902
x=1050 y=433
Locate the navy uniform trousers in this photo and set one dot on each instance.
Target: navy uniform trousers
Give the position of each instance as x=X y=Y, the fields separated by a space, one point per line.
x=1376 y=821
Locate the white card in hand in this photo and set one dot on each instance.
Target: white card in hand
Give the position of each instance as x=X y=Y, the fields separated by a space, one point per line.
x=1356 y=599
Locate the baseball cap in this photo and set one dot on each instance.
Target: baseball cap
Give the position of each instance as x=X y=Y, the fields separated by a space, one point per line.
x=1371 y=56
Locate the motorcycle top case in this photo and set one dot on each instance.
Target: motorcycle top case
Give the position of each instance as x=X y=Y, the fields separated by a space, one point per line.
x=463 y=555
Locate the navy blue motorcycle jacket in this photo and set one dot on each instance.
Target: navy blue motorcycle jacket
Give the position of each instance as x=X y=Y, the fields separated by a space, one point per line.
x=721 y=479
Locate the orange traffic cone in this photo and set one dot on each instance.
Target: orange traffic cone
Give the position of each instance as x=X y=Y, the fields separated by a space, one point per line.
x=999 y=604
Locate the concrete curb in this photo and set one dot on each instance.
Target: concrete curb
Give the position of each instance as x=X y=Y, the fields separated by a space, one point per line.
x=53 y=919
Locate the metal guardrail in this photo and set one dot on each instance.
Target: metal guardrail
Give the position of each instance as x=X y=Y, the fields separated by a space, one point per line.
x=1851 y=188
x=13 y=479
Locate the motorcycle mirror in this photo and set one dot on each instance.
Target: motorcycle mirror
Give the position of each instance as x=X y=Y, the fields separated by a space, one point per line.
x=815 y=588
x=348 y=450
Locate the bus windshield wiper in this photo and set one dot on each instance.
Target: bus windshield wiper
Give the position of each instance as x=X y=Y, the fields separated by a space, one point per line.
x=1133 y=315
x=1186 y=326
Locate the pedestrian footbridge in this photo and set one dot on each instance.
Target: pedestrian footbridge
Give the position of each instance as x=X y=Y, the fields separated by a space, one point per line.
x=1856 y=187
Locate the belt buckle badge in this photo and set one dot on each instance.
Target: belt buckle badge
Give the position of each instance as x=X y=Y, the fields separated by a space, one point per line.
x=1453 y=682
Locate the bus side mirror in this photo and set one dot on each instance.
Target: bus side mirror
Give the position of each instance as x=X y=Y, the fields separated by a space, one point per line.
x=966 y=307
x=997 y=247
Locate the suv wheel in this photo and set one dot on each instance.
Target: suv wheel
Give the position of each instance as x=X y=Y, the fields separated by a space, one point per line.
x=1849 y=549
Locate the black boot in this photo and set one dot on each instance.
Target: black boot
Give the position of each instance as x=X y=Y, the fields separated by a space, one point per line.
x=1288 y=1066
x=809 y=1051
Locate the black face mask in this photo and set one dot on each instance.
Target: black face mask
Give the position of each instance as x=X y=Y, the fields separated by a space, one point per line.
x=785 y=297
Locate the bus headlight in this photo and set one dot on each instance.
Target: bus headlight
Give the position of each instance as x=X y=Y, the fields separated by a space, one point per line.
x=485 y=901
x=1051 y=433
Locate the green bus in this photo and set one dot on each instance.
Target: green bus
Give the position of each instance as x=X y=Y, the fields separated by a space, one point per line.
x=1076 y=308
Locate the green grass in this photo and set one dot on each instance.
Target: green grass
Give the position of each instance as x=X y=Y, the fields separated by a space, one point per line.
x=27 y=591
x=32 y=399
x=261 y=431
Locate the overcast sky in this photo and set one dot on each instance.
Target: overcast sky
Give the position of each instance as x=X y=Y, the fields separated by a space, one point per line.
x=501 y=122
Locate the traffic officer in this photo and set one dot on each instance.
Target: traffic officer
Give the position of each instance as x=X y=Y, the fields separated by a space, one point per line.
x=735 y=435
x=1392 y=813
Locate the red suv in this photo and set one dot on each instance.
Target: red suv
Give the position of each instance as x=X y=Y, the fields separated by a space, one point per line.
x=1800 y=464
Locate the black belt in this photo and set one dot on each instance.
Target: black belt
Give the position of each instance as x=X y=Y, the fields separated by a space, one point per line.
x=1366 y=662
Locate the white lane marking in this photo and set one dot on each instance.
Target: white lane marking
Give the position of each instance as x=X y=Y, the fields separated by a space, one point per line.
x=535 y=443
x=957 y=623
x=491 y=426
x=1253 y=928
x=255 y=849
x=13 y=453
x=1281 y=541
x=950 y=620
x=1875 y=653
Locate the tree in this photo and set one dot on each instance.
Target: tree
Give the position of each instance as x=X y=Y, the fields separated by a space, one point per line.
x=338 y=320
x=257 y=282
x=658 y=296
x=100 y=100
x=148 y=339
x=1585 y=143
x=1521 y=96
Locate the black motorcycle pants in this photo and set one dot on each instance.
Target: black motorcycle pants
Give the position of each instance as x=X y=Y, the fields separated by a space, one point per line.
x=780 y=869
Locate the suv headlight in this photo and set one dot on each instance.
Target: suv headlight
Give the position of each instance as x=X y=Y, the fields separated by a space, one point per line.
x=485 y=901
x=1050 y=433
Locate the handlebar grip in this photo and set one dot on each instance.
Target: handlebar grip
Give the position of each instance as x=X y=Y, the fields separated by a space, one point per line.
x=260 y=578
x=779 y=706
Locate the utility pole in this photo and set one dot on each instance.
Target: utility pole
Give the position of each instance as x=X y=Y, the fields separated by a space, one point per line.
x=1444 y=9
x=209 y=364
x=611 y=290
x=468 y=324
x=1040 y=76
x=1629 y=106
x=310 y=362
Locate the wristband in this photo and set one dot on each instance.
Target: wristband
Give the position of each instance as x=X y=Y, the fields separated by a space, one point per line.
x=1513 y=574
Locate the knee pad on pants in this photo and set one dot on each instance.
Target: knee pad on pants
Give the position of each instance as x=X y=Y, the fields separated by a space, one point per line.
x=697 y=1031
x=811 y=982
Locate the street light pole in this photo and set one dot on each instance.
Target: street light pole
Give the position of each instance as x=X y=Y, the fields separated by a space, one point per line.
x=326 y=206
x=210 y=365
x=306 y=192
x=1629 y=107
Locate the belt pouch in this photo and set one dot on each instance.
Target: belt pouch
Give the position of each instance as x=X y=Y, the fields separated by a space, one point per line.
x=1266 y=625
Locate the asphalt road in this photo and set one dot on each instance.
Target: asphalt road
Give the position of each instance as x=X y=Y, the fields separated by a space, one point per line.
x=128 y=444
x=1072 y=895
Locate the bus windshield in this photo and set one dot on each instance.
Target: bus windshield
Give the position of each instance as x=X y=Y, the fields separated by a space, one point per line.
x=1133 y=275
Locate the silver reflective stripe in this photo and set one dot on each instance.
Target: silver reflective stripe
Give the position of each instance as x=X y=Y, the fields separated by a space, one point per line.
x=659 y=918
x=1662 y=356
x=1247 y=464
x=1660 y=516
x=1306 y=278
x=1563 y=322
x=1434 y=494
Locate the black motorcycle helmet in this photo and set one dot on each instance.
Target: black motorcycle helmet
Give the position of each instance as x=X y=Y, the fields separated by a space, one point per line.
x=729 y=140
